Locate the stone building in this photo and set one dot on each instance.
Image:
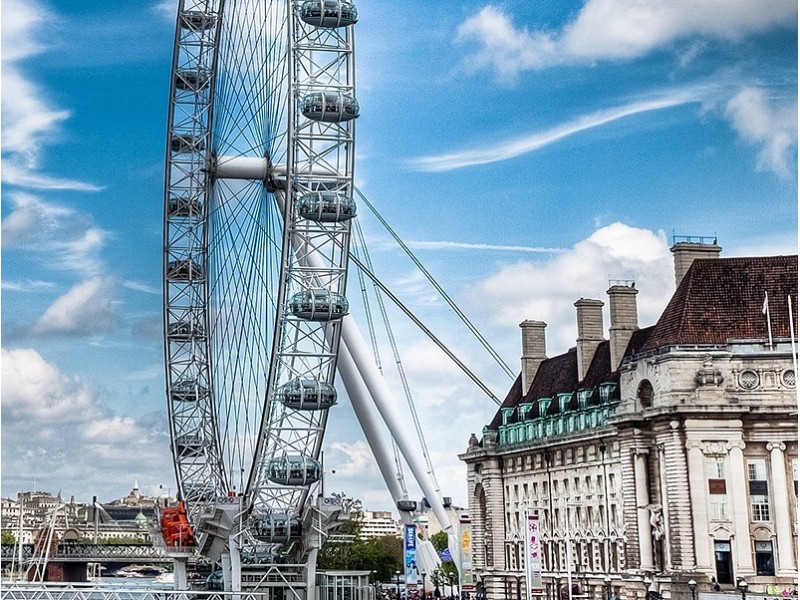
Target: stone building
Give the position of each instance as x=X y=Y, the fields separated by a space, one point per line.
x=656 y=457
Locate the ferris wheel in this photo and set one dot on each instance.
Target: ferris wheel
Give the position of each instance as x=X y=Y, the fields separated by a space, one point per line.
x=258 y=204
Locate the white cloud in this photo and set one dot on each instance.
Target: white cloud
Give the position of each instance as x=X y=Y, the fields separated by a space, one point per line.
x=33 y=389
x=69 y=236
x=167 y=9
x=535 y=141
x=444 y=245
x=770 y=124
x=86 y=309
x=547 y=290
x=614 y=30
x=31 y=120
x=56 y=426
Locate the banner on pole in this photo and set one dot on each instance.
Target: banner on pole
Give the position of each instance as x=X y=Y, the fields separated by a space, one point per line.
x=533 y=554
x=465 y=569
x=410 y=553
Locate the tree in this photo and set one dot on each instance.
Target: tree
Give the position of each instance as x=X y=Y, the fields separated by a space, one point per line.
x=6 y=537
x=439 y=541
x=348 y=551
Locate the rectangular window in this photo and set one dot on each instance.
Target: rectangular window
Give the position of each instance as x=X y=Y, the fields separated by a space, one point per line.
x=760 y=508
x=719 y=507
x=759 y=494
x=765 y=562
x=716 y=467
x=757 y=469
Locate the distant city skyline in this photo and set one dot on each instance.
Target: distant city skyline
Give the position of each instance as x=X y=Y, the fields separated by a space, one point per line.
x=527 y=152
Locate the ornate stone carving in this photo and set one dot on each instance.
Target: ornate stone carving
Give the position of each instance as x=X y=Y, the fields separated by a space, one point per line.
x=776 y=446
x=715 y=448
x=708 y=375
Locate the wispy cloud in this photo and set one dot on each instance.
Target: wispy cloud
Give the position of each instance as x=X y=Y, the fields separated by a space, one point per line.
x=69 y=237
x=613 y=30
x=769 y=124
x=28 y=285
x=86 y=309
x=519 y=146
x=432 y=245
x=138 y=286
x=31 y=120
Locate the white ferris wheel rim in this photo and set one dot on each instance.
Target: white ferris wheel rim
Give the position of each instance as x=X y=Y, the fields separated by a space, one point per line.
x=236 y=137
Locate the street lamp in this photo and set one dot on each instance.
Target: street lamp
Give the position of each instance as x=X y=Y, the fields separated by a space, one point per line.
x=424 y=575
x=742 y=585
x=607 y=586
x=693 y=588
x=397 y=582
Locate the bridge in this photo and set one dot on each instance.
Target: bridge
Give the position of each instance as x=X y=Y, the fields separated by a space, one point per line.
x=89 y=553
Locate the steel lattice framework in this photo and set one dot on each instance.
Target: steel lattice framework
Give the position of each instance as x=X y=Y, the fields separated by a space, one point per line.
x=258 y=202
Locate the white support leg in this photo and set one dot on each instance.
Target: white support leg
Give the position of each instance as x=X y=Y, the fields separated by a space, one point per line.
x=379 y=391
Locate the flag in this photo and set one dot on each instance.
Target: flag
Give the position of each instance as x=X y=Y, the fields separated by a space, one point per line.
x=445 y=554
x=765 y=306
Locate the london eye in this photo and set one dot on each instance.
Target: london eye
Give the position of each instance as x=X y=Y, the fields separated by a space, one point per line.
x=257 y=210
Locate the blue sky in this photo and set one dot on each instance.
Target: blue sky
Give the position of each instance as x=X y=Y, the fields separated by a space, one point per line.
x=527 y=151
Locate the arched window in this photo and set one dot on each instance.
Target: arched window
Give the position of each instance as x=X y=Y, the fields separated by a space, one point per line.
x=645 y=394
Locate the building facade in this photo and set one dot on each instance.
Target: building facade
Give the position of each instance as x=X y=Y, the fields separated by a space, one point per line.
x=657 y=458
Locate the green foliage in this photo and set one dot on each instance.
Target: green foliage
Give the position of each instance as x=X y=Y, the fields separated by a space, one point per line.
x=6 y=537
x=439 y=540
x=383 y=555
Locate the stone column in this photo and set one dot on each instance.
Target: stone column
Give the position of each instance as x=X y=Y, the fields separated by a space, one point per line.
x=780 y=495
x=697 y=493
x=643 y=513
x=743 y=554
x=665 y=507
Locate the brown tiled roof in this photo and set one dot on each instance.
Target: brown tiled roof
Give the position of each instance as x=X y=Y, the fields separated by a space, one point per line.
x=512 y=399
x=721 y=299
x=555 y=375
x=559 y=375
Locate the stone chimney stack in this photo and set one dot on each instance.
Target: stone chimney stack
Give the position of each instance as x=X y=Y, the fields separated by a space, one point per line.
x=686 y=251
x=533 y=351
x=624 y=318
x=590 y=332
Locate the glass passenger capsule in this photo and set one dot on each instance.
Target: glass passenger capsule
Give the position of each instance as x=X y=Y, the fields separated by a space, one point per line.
x=184 y=330
x=197 y=20
x=326 y=207
x=276 y=528
x=190 y=444
x=183 y=143
x=184 y=270
x=407 y=505
x=191 y=79
x=294 y=470
x=307 y=394
x=329 y=13
x=318 y=304
x=185 y=206
x=329 y=107
x=187 y=390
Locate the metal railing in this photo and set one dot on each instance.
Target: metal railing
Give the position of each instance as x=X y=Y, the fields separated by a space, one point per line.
x=77 y=591
x=91 y=553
